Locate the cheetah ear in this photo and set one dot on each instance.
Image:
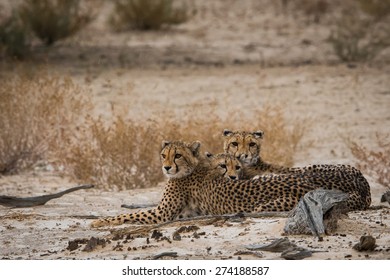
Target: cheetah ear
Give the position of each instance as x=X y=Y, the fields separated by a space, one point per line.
x=195 y=148
x=227 y=132
x=208 y=154
x=258 y=134
x=164 y=143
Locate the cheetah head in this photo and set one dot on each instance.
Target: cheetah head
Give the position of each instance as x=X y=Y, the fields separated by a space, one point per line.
x=225 y=165
x=179 y=159
x=244 y=145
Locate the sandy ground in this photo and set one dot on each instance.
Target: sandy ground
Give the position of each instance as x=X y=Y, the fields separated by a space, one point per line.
x=237 y=59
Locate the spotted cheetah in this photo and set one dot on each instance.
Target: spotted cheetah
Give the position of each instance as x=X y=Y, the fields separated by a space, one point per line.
x=246 y=147
x=224 y=165
x=188 y=188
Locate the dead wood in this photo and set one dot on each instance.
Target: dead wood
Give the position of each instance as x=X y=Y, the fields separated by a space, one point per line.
x=254 y=253
x=296 y=254
x=288 y=250
x=164 y=254
x=20 y=202
x=278 y=245
x=308 y=216
x=199 y=220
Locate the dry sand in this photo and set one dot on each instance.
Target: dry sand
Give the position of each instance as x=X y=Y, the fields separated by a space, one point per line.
x=230 y=59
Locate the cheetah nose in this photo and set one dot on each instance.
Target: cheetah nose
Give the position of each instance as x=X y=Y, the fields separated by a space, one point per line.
x=233 y=177
x=167 y=168
x=243 y=156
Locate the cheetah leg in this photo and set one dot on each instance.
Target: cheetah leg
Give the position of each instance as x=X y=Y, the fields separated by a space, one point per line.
x=167 y=210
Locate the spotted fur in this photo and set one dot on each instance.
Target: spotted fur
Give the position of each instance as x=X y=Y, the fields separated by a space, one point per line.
x=246 y=147
x=224 y=165
x=188 y=189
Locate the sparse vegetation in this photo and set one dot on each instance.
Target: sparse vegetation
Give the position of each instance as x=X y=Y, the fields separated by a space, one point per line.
x=313 y=9
x=146 y=14
x=377 y=9
x=355 y=39
x=53 y=20
x=37 y=115
x=126 y=153
x=47 y=118
x=14 y=37
x=374 y=162
x=361 y=34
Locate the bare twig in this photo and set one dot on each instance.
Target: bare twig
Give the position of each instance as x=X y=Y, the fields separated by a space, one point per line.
x=164 y=254
x=201 y=220
x=254 y=253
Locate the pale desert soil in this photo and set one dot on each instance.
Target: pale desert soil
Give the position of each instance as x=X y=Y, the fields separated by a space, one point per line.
x=237 y=59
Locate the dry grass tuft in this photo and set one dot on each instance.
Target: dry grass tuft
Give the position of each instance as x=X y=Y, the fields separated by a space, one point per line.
x=37 y=114
x=378 y=9
x=362 y=30
x=44 y=117
x=125 y=154
x=313 y=9
x=375 y=163
x=146 y=14
x=13 y=37
x=355 y=39
x=53 y=20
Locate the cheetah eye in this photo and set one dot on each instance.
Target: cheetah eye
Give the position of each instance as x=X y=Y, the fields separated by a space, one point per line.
x=251 y=144
x=178 y=156
x=222 y=166
x=235 y=144
x=163 y=156
x=238 y=167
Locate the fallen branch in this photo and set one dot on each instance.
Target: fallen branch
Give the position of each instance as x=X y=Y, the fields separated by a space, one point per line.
x=308 y=216
x=164 y=254
x=201 y=220
x=20 y=202
x=254 y=253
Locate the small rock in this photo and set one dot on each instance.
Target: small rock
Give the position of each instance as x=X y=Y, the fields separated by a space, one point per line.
x=72 y=245
x=367 y=243
x=386 y=197
x=156 y=234
x=93 y=243
x=176 y=236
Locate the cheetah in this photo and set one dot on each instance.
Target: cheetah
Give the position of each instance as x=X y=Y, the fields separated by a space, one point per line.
x=246 y=147
x=224 y=165
x=188 y=188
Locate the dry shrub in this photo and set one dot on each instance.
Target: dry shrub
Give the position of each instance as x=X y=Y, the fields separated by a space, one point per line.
x=122 y=155
x=14 y=37
x=37 y=115
x=52 y=20
x=146 y=14
x=45 y=117
x=355 y=39
x=362 y=31
x=378 y=9
x=125 y=154
x=313 y=9
x=374 y=162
